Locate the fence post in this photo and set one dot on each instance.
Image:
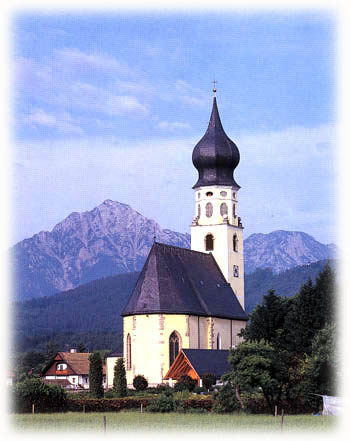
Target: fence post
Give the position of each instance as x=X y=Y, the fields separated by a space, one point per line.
x=141 y=407
x=104 y=423
x=275 y=411
x=33 y=408
x=282 y=416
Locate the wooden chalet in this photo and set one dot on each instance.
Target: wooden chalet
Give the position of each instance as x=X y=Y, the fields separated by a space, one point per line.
x=197 y=362
x=70 y=370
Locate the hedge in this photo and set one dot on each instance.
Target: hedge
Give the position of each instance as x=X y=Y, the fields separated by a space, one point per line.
x=117 y=404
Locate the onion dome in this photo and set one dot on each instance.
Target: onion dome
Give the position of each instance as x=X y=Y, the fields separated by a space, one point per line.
x=215 y=156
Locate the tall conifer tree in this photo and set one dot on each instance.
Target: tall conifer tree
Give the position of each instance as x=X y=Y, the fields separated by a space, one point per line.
x=96 y=375
x=119 y=380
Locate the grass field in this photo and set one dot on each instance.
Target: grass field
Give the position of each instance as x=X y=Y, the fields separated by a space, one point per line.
x=147 y=422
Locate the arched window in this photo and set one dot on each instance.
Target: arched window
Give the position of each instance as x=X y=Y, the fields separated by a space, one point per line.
x=234 y=210
x=235 y=242
x=199 y=210
x=218 y=341
x=209 y=242
x=174 y=347
x=223 y=209
x=128 y=352
x=209 y=209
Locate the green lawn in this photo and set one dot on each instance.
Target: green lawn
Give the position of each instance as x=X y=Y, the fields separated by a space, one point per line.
x=147 y=422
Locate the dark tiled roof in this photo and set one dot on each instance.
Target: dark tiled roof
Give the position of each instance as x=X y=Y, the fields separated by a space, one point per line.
x=215 y=156
x=211 y=361
x=180 y=281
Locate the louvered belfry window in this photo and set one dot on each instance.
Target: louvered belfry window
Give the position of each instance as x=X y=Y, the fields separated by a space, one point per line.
x=209 y=242
x=235 y=243
x=223 y=209
x=174 y=346
x=128 y=352
x=209 y=209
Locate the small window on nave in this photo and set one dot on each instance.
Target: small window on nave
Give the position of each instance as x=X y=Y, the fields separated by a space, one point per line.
x=234 y=211
x=209 y=209
x=218 y=341
x=209 y=242
x=174 y=347
x=128 y=352
x=235 y=271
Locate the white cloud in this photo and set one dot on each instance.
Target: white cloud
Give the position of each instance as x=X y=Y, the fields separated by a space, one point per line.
x=186 y=94
x=75 y=58
x=63 y=122
x=172 y=126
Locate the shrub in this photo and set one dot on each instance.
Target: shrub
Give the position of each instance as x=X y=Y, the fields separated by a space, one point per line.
x=164 y=403
x=225 y=400
x=185 y=383
x=199 y=390
x=46 y=398
x=140 y=383
x=119 y=380
x=208 y=380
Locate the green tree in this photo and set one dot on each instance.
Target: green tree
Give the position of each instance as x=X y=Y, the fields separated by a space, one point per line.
x=51 y=349
x=140 y=383
x=44 y=397
x=119 y=380
x=258 y=366
x=208 y=380
x=81 y=347
x=226 y=400
x=313 y=307
x=267 y=320
x=96 y=375
x=322 y=367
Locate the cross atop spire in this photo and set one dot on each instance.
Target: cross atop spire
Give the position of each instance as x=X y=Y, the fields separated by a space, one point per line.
x=214 y=88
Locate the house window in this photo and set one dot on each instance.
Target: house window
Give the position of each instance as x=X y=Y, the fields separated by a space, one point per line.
x=218 y=341
x=209 y=242
x=61 y=367
x=128 y=352
x=223 y=209
x=174 y=346
x=199 y=210
x=209 y=209
x=73 y=379
x=235 y=271
x=235 y=243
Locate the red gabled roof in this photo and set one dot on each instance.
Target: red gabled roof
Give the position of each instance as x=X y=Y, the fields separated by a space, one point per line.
x=78 y=362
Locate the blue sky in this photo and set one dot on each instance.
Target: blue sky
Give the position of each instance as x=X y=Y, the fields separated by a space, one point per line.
x=110 y=106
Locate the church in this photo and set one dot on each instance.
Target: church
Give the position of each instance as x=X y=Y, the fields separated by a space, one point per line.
x=190 y=303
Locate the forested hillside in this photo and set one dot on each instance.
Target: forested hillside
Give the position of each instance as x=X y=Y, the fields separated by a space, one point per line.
x=90 y=313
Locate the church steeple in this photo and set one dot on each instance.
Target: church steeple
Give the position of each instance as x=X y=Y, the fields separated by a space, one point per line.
x=215 y=156
x=216 y=226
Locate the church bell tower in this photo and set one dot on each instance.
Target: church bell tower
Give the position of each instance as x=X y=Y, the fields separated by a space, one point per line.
x=216 y=227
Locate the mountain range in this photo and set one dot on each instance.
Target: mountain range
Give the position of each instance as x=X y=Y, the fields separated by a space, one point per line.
x=113 y=238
